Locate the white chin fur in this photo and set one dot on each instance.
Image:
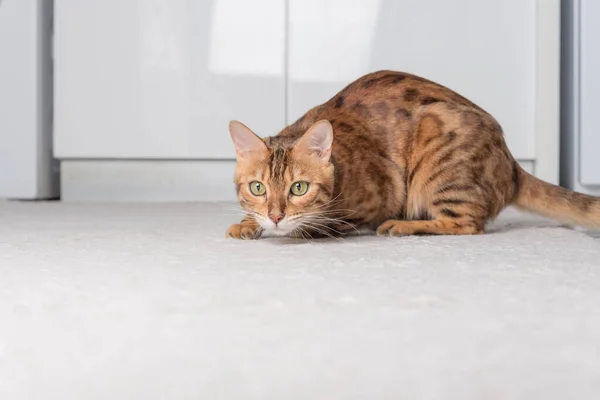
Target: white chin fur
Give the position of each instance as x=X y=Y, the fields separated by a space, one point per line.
x=284 y=228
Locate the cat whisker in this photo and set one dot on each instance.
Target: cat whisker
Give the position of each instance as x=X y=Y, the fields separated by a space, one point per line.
x=241 y=211
x=321 y=231
x=324 y=226
x=341 y=218
x=235 y=210
x=324 y=221
x=334 y=212
x=304 y=234
x=333 y=201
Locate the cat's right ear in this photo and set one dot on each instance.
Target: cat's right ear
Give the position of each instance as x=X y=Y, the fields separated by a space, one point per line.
x=244 y=140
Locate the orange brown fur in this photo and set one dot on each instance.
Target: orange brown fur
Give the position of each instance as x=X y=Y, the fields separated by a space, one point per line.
x=409 y=156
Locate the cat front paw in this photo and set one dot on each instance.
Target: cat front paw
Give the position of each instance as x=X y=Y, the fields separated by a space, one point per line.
x=244 y=232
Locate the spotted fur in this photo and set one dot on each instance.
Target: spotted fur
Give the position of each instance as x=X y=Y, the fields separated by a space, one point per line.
x=408 y=156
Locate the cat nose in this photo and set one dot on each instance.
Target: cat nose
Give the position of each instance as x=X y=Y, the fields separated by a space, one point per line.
x=276 y=218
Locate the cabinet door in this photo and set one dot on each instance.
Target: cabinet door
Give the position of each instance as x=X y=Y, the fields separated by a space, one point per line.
x=162 y=78
x=589 y=62
x=484 y=49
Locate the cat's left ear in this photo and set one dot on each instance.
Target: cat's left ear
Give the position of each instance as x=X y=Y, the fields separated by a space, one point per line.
x=317 y=140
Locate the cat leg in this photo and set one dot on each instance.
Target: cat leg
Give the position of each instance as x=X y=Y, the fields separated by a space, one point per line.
x=442 y=225
x=247 y=229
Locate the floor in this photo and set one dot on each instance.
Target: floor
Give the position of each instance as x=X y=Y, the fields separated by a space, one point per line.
x=152 y=302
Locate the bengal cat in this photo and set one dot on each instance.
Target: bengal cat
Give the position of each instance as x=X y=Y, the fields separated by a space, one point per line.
x=391 y=152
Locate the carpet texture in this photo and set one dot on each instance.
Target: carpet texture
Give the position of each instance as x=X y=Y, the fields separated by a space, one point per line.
x=152 y=302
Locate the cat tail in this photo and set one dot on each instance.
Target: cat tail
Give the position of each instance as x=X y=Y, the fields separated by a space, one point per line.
x=556 y=202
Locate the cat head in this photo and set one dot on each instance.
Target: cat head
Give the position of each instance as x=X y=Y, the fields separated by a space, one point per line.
x=285 y=184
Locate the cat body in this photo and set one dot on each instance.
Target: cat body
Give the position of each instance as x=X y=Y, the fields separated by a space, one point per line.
x=394 y=153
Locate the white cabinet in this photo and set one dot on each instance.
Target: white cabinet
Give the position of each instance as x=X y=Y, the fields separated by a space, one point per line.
x=484 y=49
x=160 y=79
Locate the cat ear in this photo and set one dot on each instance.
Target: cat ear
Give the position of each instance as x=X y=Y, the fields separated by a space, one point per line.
x=244 y=140
x=317 y=140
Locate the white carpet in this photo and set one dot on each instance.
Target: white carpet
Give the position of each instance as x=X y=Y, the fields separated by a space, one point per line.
x=152 y=302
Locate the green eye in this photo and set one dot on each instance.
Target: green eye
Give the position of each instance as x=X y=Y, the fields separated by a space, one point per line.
x=299 y=188
x=257 y=188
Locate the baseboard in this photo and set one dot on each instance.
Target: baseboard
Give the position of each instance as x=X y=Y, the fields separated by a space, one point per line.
x=153 y=180
x=146 y=181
